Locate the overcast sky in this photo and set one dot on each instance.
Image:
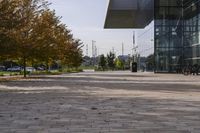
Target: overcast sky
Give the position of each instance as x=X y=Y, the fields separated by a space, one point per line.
x=86 y=20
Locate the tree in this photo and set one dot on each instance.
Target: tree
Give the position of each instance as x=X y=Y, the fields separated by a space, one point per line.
x=24 y=13
x=30 y=32
x=102 y=62
x=9 y=20
x=119 y=64
x=110 y=60
x=76 y=53
x=73 y=54
x=46 y=40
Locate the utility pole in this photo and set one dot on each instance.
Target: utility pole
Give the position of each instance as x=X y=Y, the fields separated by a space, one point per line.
x=134 y=49
x=92 y=48
x=93 y=52
x=113 y=50
x=135 y=53
x=122 y=49
x=133 y=43
x=87 y=50
x=97 y=51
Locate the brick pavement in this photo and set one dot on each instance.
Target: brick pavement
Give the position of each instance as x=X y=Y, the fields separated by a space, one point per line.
x=109 y=102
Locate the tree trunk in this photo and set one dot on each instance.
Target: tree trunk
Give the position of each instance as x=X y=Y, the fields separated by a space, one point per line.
x=47 y=66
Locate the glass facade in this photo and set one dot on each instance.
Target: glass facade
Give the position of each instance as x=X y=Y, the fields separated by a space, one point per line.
x=177 y=34
x=191 y=31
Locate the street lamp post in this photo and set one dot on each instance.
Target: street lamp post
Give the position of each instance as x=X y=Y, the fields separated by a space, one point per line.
x=134 y=49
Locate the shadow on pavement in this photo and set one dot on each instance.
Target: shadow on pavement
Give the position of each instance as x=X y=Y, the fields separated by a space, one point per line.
x=116 y=84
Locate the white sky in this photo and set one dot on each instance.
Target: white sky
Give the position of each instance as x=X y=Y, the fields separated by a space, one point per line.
x=86 y=20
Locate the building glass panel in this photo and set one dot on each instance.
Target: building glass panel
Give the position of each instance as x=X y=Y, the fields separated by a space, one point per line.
x=177 y=34
x=191 y=36
x=168 y=35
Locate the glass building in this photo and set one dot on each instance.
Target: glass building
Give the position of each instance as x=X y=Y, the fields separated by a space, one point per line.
x=177 y=35
x=176 y=28
x=191 y=31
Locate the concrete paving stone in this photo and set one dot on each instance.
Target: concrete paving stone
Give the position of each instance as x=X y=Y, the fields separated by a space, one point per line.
x=101 y=102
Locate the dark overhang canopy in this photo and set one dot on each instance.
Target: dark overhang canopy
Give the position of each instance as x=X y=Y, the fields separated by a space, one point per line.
x=129 y=13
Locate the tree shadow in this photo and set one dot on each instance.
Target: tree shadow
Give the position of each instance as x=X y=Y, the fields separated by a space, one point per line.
x=116 y=84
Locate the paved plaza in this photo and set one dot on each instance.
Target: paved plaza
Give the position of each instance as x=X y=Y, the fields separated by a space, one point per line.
x=101 y=102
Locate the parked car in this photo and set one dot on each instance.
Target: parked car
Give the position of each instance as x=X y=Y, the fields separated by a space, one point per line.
x=2 y=68
x=14 y=69
x=40 y=68
x=30 y=69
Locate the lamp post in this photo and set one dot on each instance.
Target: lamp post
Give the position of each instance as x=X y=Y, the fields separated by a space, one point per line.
x=134 y=49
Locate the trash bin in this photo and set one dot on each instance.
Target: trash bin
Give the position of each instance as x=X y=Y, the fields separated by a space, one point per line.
x=134 y=67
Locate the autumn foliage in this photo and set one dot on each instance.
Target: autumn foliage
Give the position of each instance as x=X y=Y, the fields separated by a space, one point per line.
x=31 y=32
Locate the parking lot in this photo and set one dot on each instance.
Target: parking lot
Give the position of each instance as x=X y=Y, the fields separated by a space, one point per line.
x=101 y=102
